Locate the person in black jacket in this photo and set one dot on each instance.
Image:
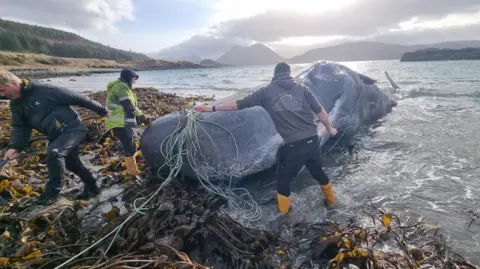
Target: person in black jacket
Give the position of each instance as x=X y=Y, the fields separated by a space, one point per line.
x=47 y=109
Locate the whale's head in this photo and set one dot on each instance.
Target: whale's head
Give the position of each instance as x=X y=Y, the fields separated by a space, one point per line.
x=349 y=98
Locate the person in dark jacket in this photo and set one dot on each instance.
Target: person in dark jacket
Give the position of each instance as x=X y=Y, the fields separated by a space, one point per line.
x=47 y=109
x=290 y=105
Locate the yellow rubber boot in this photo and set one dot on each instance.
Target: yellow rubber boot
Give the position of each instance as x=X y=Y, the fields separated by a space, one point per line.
x=283 y=203
x=131 y=164
x=328 y=194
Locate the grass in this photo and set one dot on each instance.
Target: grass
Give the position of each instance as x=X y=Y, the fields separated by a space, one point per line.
x=30 y=60
x=15 y=60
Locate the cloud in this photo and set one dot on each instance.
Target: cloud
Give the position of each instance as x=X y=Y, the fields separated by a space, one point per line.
x=204 y=46
x=361 y=18
x=430 y=35
x=69 y=14
x=294 y=46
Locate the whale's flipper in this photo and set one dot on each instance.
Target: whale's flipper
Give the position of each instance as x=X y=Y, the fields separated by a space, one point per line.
x=367 y=79
x=394 y=85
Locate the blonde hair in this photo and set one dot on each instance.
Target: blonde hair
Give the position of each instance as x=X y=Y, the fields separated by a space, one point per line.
x=6 y=78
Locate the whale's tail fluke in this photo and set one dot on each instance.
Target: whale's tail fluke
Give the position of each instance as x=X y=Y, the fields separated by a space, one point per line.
x=394 y=85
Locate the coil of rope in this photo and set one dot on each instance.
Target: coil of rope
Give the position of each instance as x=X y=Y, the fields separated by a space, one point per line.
x=176 y=149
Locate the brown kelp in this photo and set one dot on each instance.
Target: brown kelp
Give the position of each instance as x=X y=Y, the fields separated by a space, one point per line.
x=183 y=226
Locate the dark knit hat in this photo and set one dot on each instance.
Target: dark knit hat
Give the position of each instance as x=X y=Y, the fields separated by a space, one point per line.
x=282 y=68
x=128 y=74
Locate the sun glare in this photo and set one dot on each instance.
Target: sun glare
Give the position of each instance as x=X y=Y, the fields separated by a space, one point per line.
x=448 y=21
x=235 y=9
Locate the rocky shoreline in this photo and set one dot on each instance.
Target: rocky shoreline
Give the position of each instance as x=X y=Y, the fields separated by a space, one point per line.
x=45 y=66
x=183 y=225
x=44 y=73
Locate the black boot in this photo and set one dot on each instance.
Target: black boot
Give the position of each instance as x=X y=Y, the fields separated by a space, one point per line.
x=47 y=197
x=88 y=192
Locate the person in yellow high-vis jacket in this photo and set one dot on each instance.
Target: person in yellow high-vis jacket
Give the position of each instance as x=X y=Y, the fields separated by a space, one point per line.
x=122 y=104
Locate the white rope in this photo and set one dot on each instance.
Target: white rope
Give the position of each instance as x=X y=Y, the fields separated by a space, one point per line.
x=193 y=124
x=175 y=143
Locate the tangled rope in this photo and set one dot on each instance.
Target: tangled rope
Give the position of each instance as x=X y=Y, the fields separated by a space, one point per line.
x=175 y=150
x=178 y=139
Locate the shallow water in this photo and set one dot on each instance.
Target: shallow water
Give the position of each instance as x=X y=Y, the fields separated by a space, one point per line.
x=420 y=160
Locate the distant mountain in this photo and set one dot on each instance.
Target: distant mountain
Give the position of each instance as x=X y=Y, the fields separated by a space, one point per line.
x=355 y=51
x=21 y=37
x=188 y=58
x=257 y=54
x=211 y=63
x=369 y=51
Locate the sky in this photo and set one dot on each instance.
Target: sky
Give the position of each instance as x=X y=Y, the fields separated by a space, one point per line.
x=208 y=28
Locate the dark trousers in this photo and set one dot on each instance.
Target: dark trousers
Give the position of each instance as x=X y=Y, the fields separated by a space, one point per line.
x=63 y=154
x=292 y=157
x=127 y=139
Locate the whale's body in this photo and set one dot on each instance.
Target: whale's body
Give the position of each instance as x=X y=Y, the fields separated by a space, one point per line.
x=237 y=144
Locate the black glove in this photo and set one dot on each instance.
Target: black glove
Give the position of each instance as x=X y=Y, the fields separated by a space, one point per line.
x=130 y=123
x=142 y=119
x=103 y=112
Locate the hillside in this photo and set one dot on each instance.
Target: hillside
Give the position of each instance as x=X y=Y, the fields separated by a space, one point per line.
x=20 y=37
x=456 y=45
x=434 y=54
x=355 y=51
x=257 y=54
x=211 y=63
x=369 y=51
x=168 y=57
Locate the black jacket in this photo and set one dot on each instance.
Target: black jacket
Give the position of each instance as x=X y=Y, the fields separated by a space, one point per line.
x=46 y=108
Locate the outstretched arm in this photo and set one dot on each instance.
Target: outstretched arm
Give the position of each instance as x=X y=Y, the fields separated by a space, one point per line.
x=64 y=96
x=323 y=117
x=229 y=106
x=253 y=99
x=320 y=111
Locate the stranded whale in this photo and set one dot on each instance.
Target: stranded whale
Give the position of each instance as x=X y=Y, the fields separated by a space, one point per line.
x=228 y=145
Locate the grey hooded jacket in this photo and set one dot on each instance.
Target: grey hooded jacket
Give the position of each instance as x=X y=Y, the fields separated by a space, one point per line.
x=289 y=104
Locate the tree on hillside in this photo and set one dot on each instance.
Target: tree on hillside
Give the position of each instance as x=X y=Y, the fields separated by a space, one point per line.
x=16 y=36
x=10 y=43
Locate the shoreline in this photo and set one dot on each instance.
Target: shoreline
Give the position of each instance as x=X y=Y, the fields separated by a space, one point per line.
x=182 y=218
x=46 y=73
x=43 y=66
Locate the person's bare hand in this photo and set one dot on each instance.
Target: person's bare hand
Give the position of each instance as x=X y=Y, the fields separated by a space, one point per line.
x=11 y=154
x=332 y=132
x=203 y=108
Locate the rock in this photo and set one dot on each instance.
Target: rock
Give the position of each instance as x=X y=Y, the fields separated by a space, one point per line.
x=162 y=259
x=182 y=231
x=167 y=241
x=417 y=254
x=166 y=207
x=60 y=203
x=326 y=247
